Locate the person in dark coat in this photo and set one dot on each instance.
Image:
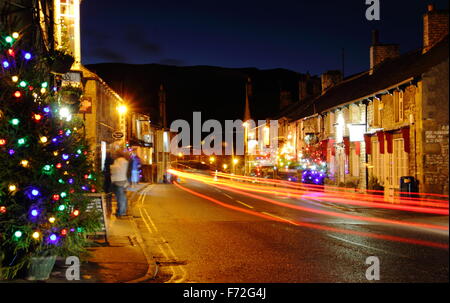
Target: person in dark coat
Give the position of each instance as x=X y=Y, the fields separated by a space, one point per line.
x=107 y=185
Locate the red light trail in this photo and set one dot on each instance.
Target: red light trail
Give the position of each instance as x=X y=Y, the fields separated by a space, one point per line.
x=316 y=226
x=313 y=195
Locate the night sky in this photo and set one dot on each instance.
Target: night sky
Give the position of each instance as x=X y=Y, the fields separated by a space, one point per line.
x=297 y=35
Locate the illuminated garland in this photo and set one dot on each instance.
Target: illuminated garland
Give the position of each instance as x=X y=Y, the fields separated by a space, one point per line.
x=45 y=166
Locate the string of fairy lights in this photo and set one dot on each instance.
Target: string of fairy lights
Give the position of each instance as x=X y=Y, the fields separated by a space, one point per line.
x=41 y=143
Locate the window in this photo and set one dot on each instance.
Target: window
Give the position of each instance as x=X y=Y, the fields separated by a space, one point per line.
x=377 y=162
x=331 y=124
x=376 y=113
x=398 y=106
x=401 y=161
x=354 y=162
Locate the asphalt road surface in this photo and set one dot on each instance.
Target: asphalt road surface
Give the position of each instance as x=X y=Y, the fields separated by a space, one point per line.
x=248 y=240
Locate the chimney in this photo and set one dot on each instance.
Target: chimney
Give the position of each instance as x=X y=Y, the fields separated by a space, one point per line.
x=303 y=92
x=285 y=99
x=435 y=27
x=330 y=79
x=375 y=37
x=308 y=86
x=380 y=52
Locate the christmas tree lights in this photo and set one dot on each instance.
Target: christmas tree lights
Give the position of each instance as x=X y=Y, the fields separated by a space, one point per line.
x=43 y=160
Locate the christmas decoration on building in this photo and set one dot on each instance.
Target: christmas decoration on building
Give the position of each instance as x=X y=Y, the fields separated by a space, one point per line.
x=313 y=160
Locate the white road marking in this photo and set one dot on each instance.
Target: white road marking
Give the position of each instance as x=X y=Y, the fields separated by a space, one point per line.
x=142 y=244
x=281 y=218
x=228 y=195
x=249 y=206
x=366 y=246
x=177 y=271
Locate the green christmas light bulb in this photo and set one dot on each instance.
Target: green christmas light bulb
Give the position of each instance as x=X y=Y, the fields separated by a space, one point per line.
x=62 y=207
x=44 y=84
x=23 y=84
x=15 y=121
x=63 y=194
x=21 y=141
x=9 y=39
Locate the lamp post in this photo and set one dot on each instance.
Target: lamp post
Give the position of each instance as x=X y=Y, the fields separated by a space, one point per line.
x=245 y=124
x=122 y=110
x=212 y=160
x=235 y=161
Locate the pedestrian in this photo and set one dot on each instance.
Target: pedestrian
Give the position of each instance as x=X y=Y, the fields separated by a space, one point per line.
x=135 y=169
x=120 y=182
x=107 y=185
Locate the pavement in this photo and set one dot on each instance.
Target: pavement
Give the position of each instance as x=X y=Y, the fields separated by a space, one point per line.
x=120 y=258
x=123 y=258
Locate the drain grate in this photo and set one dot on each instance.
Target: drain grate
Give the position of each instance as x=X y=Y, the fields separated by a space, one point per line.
x=171 y=263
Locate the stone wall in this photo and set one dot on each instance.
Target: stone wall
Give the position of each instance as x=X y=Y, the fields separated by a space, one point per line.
x=435 y=129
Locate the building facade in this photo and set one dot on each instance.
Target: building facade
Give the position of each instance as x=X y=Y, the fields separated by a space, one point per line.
x=373 y=128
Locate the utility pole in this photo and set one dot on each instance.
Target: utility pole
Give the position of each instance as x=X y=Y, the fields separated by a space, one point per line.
x=247 y=116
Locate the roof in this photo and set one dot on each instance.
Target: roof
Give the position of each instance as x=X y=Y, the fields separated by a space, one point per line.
x=385 y=75
x=88 y=74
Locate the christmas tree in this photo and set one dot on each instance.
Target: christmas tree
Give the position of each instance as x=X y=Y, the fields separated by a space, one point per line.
x=45 y=164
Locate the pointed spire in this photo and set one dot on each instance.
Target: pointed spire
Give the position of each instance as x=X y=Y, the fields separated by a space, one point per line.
x=248 y=93
x=162 y=106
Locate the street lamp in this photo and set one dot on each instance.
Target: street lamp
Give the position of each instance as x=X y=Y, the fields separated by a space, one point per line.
x=235 y=161
x=122 y=109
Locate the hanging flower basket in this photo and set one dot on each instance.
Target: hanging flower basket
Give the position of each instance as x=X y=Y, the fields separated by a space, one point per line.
x=41 y=267
x=71 y=96
x=61 y=63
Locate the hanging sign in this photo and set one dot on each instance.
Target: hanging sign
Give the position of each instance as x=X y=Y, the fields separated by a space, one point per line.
x=118 y=135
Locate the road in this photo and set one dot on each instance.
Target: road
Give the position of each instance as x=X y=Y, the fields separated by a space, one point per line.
x=201 y=233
